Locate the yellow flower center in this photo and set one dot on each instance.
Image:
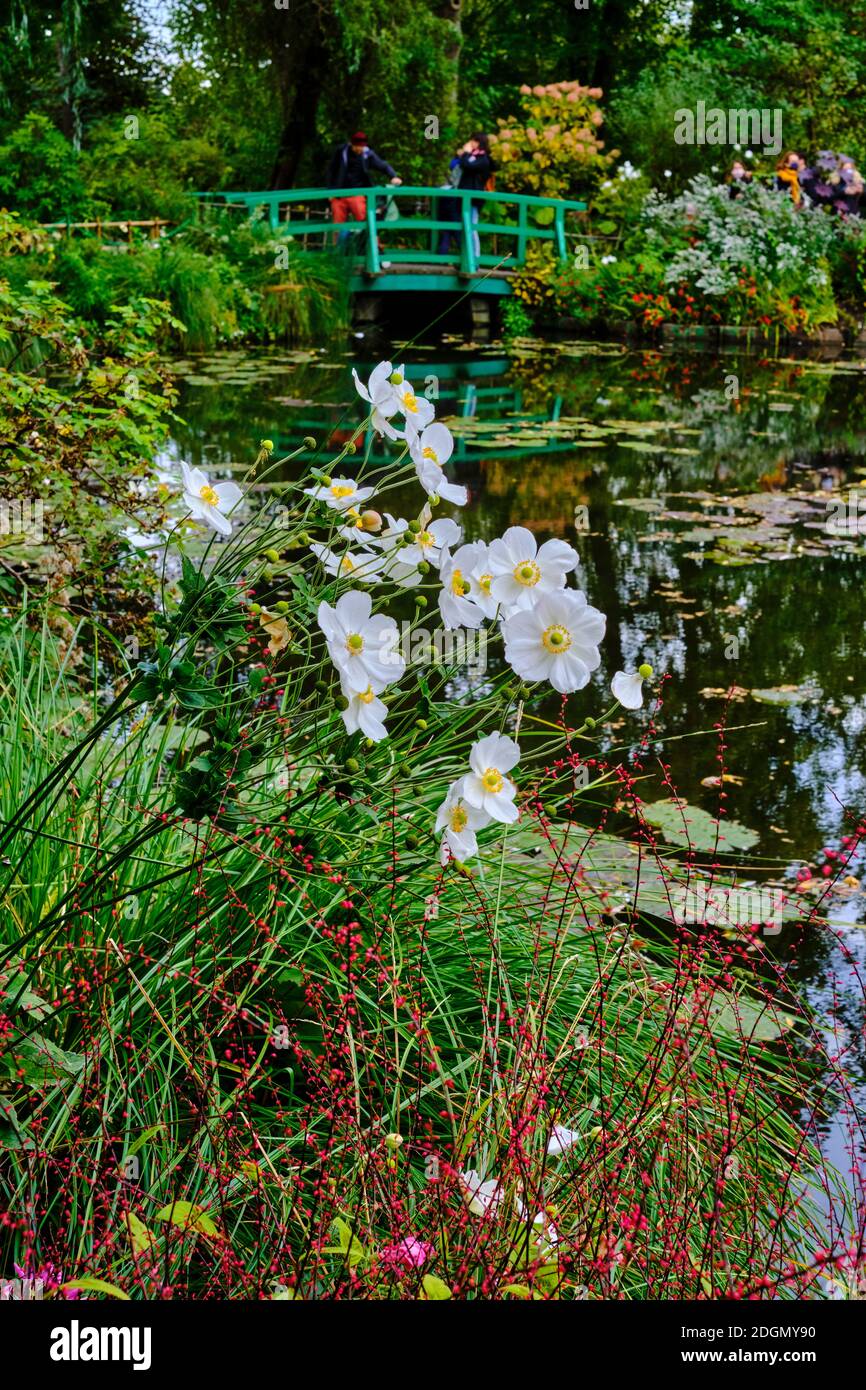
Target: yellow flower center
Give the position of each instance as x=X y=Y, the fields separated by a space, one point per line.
x=410 y=401
x=424 y=539
x=484 y=582
x=347 y=564
x=367 y=695
x=556 y=638
x=354 y=643
x=492 y=780
x=208 y=495
x=458 y=818
x=458 y=584
x=429 y=453
x=527 y=573
x=341 y=490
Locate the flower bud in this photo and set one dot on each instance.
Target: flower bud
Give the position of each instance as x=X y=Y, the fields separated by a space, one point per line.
x=589 y=723
x=423 y=567
x=310 y=441
x=396 y=378
x=645 y=671
x=412 y=842
x=415 y=527
x=273 y=556
x=282 y=606
x=370 y=521
x=421 y=724
x=341 y=702
x=352 y=765
x=420 y=601
x=267 y=444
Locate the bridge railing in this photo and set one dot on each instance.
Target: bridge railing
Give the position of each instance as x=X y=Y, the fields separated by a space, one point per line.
x=480 y=215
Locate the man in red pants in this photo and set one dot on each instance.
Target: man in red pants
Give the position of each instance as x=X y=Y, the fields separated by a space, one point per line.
x=350 y=168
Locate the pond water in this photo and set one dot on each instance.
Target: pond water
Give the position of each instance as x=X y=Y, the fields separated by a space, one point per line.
x=718 y=505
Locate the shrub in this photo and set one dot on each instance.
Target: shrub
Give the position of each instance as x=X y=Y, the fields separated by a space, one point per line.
x=553 y=148
x=40 y=175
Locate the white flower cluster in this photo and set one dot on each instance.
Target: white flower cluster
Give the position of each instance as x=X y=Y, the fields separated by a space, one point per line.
x=550 y=632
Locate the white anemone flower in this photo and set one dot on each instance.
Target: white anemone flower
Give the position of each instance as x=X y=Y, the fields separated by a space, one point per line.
x=430 y=449
x=343 y=494
x=562 y=1139
x=482 y=1195
x=362 y=645
x=365 y=713
x=209 y=502
x=361 y=565
x=627 y=687
x=555 y=641
x=432 y=542
x=459 y=821
x=523 y=571
x=455 y=602
x=480 y=580
x=487 y=786
x=388 y=391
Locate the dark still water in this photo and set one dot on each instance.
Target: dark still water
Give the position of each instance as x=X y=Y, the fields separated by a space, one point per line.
x=718 y=506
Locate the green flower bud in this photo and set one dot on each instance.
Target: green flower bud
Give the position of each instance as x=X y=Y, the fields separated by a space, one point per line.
x=267 y=444
x=304 y=538
x=420 y=723
x=423 y=567
x=589 y=723
x=310 y=442
x=352 y=765
x=273 y=556
x=420 y=601
x=548 y=809
x=645 y=672
x=255 y=608
x=412 y=842
x=326 y=480
x=434 y=499
x=341 y=702
x=282 y=606
x=415 y=527
x=396 y=378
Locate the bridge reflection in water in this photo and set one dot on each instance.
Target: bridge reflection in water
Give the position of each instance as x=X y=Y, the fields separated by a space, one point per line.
x=471 y=395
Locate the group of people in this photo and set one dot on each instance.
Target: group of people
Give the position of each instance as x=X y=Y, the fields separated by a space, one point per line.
x=833 y=182
x=472 y=167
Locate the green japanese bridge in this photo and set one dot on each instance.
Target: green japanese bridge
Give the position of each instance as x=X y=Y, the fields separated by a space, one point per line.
x=395 y=247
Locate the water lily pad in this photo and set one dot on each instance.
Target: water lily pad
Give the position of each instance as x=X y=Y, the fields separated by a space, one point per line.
x=691 y=827
x=785 y=695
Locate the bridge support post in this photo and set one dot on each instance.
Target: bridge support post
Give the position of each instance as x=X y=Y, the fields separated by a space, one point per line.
x=373 y=266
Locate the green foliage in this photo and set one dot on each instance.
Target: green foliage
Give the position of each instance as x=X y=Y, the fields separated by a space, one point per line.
x=144 y=164
x=40 y=175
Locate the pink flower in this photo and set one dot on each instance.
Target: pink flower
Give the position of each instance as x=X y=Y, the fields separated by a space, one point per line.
x=410 y=1251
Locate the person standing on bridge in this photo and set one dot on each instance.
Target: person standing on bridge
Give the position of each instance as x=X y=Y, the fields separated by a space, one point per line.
x=350 y=168
x=477 y=171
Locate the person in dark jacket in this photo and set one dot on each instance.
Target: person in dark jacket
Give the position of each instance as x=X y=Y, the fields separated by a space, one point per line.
x=350 y=168
x=476 y=170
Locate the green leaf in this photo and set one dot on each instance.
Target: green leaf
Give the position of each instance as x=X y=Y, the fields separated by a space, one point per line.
x=89 y=1285
x=434 y=1289
x=142 y=1240
x=190 y=1218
